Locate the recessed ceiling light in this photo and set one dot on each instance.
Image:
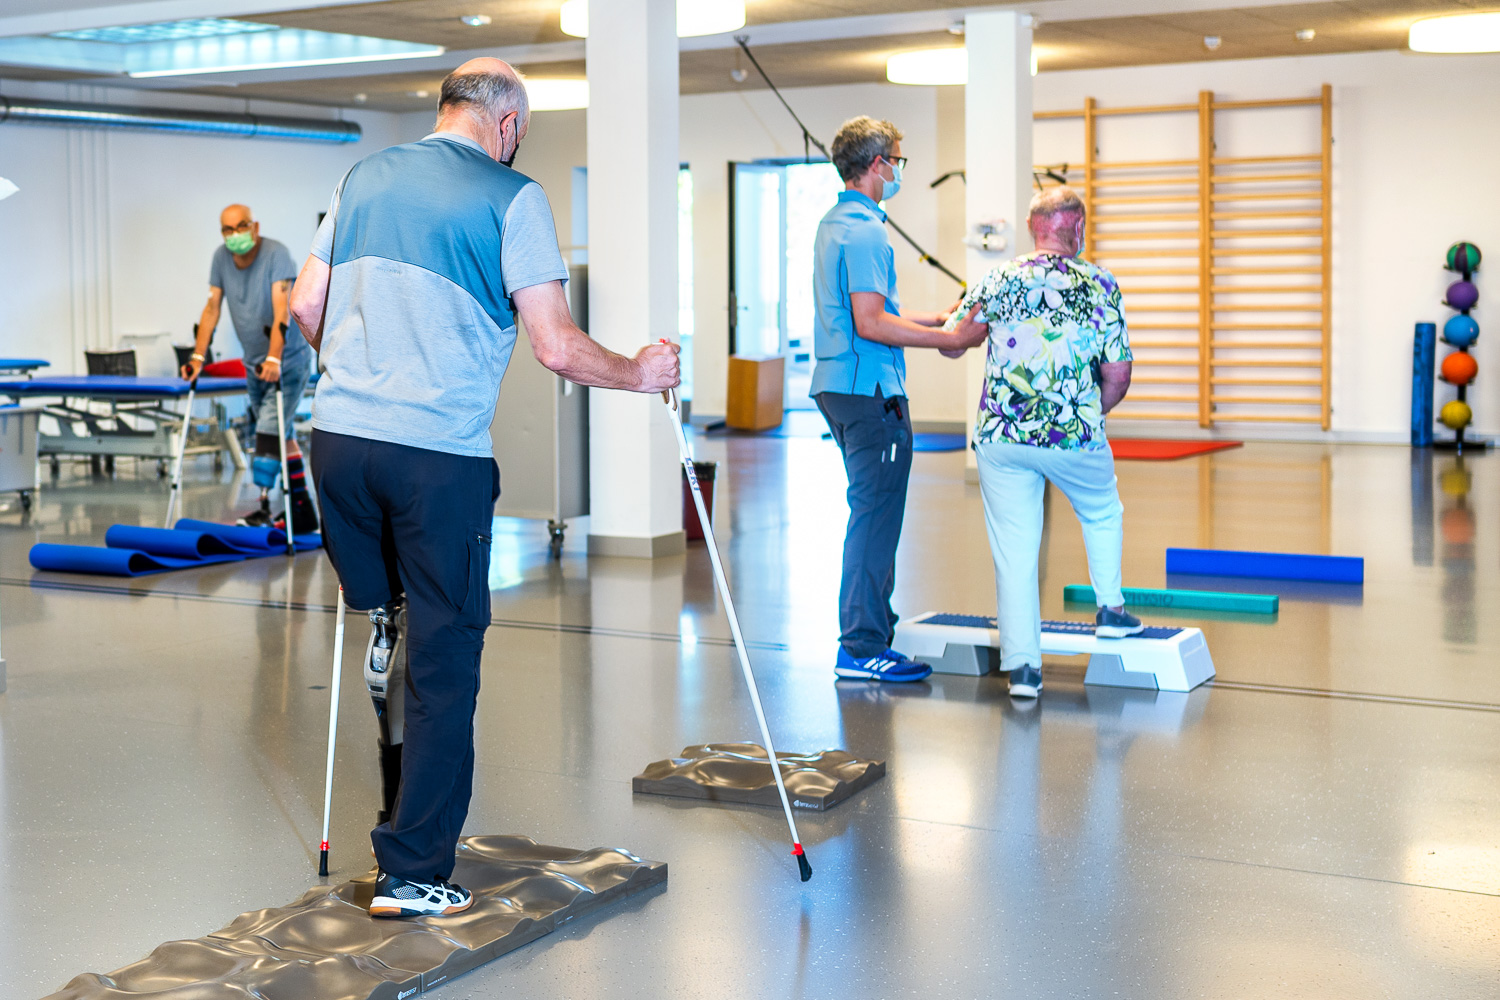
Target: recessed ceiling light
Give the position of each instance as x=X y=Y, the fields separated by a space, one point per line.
x=557 y=94
x=738 y=75
x=694 y=17
x=929 y=67
x=1212 y=42
x=1456 y=33
x=361 y=98
x=476 y=20
x=1306 y=35
x=419 y=93
x=956 y=28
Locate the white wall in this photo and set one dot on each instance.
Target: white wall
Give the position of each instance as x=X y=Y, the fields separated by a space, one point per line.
x=1415 y=145
x=112 y=231
x=718 y=128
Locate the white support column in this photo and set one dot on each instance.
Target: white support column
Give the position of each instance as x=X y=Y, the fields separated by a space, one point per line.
x=997 y=153
x=634 y=489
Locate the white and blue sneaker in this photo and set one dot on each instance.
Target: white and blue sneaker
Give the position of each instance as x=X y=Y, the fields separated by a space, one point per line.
x=1116 y=624
x=397 y=897
x=890 y=666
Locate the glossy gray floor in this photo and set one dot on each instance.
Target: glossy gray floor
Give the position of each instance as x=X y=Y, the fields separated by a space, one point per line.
x=1322 y=822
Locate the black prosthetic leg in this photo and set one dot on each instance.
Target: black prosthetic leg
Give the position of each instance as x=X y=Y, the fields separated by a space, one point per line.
x=385 y=676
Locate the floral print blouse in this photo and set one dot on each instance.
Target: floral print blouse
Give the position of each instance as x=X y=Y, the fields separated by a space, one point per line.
x=1053 y=321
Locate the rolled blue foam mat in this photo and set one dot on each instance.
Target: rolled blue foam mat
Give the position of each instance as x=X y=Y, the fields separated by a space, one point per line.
x=134 y=550
x=1267 y=565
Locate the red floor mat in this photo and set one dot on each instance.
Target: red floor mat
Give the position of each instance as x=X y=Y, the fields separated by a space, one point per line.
x=1161 y=450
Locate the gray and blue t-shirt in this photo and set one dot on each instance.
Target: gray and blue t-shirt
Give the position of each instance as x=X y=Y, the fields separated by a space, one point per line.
x=427 y=242
x=247 y=294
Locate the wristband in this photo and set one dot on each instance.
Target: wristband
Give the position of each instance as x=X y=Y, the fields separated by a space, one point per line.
x=196 y=357
x=272 y=361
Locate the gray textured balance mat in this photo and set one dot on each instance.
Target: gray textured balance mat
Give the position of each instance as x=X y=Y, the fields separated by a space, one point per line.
x=326 y=947
x=741 y=772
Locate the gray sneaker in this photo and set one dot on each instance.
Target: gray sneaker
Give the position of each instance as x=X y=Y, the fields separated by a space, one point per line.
x=1025 y=682
x=1116 y=624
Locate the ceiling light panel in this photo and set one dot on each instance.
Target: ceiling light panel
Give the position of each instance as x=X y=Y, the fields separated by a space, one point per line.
x=165 y=31
x=929 y=67
x=1456 y=33
x=557 y=94
x=694 y=17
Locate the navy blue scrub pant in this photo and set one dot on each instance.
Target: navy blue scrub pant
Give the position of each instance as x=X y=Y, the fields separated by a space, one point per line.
x=400 y=520
x=874 y=433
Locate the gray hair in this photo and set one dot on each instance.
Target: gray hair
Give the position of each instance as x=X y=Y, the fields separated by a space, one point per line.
x=491 y=96
x=1053 y=209
x=859 y=141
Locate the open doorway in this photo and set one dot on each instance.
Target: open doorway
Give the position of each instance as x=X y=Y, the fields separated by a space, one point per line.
x=774 y=210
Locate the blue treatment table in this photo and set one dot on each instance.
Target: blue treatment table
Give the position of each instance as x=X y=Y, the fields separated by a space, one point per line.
x=21 y=366
x=127 y=415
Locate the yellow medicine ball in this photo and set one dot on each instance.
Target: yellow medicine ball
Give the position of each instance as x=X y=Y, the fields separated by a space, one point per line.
x=1456 y=414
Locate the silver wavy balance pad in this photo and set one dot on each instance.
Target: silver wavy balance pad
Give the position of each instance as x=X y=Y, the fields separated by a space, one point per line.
x=741 y=772
x=326 y=947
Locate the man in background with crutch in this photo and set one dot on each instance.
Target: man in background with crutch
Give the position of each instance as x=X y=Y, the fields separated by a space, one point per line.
x=427 y=257
x=253 y=276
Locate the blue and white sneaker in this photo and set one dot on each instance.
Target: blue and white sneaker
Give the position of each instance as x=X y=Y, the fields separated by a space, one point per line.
x=1025 y=682
x=890 y=666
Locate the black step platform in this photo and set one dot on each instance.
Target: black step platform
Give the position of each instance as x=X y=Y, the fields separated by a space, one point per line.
x=741 y=772
x=325 y=946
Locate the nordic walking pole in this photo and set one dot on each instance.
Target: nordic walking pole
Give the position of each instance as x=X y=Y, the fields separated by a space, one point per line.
x=286 y=479
x=187 y=418
x=333 y=728
x=734 y=629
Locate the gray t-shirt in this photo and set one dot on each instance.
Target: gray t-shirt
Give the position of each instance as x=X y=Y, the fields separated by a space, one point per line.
x=427 y=242
x=247 y=293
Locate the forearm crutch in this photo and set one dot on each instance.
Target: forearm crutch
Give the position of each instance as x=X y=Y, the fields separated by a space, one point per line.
x=187 y=418
x=333 y=730
x=286 y=479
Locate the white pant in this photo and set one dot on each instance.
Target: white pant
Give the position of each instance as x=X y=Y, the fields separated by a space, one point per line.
x=1012 y=478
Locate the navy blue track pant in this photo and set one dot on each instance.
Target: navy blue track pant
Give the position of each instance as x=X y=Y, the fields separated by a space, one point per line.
x=401 y=520
x=874 y=433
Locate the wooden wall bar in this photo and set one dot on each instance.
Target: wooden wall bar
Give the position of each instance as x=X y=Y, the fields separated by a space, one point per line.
x=1254 y=322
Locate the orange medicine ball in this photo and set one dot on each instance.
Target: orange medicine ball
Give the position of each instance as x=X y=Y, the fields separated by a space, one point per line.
x=1459 y=368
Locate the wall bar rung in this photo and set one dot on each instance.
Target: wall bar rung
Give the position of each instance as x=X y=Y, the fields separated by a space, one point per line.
x=1238 y=160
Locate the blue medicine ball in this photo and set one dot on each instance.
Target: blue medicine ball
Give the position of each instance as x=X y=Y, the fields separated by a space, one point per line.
x=1460 y=330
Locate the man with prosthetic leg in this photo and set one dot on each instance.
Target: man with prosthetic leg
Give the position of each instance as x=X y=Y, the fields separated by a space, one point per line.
x=429 y=256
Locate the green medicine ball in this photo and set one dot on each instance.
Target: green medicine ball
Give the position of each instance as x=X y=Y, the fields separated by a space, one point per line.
x=1463 y=257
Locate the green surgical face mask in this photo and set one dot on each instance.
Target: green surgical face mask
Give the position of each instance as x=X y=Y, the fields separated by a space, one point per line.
x=239 y=243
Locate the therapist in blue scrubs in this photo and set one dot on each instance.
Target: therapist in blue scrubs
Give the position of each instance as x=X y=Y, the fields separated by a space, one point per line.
x=859 y=384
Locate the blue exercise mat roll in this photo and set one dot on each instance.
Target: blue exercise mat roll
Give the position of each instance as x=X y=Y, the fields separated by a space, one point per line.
x=114 y=562
x=250 y=541
x=1267 y=565
x=133 y=550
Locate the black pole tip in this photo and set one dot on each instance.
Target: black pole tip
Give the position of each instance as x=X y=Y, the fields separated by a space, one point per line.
x=323 y=865
x=804 y=866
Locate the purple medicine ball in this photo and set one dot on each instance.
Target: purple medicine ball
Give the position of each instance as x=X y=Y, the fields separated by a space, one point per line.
x=1462 y=295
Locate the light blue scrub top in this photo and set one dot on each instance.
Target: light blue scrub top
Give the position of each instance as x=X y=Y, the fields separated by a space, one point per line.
x=853 y=254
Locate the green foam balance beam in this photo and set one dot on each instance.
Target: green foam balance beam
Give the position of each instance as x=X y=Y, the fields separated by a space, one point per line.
x=1187 y=600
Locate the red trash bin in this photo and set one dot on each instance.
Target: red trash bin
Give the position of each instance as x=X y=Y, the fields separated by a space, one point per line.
x=705 y=471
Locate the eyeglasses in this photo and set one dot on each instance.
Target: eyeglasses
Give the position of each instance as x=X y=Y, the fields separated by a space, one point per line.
x=243 y=227
x=898 y=162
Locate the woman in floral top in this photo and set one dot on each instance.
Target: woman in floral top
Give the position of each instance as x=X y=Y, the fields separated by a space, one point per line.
x=1058 y=361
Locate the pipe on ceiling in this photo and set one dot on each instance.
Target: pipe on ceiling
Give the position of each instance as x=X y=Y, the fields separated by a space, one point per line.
x=27 y=110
